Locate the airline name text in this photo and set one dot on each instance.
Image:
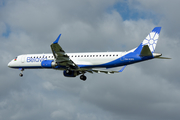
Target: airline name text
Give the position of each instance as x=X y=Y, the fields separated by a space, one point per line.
x=29 y=59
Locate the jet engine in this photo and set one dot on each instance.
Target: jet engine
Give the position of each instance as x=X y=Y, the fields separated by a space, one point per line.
x=69 y=73
x=48 y=64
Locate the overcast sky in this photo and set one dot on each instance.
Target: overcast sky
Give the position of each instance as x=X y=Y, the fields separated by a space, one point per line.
x=144 y=91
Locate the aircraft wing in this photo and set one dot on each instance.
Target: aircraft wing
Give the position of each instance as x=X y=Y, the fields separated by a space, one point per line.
x=104 y=71
x=61 y=58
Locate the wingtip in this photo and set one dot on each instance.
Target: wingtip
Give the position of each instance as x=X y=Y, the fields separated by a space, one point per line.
x=56 y=41
x=122 y=69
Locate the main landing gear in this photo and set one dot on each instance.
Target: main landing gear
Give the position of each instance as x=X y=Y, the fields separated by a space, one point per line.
x=83 y=77
x=21 y=74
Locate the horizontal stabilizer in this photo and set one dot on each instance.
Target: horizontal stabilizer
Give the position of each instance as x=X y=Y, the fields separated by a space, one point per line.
x=145 y=51
x=163 y=58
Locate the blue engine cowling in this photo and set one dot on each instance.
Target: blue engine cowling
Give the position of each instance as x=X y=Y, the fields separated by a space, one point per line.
x=70 y=73
x=48 y=64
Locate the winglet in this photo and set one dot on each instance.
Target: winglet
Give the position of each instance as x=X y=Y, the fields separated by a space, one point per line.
x=122 y=69
x=56 y=41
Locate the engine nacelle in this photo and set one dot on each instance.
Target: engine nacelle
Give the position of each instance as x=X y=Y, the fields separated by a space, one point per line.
x=69 y=73
x=48 y=64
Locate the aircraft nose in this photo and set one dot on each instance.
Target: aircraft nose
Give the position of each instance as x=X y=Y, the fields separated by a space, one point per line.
x=9 y=64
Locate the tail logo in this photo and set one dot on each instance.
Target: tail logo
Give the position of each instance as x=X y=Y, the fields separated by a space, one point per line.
x=151 y=40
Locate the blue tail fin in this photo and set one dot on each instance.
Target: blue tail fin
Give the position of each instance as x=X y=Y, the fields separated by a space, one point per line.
x=150 y=40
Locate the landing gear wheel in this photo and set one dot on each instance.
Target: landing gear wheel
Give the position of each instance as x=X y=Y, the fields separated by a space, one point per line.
x=83 y=77
x=20 y=74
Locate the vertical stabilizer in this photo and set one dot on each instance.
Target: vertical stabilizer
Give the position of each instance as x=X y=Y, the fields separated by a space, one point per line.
x=150 y=40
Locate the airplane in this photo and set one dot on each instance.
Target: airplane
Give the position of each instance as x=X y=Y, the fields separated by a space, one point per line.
x=74 y=64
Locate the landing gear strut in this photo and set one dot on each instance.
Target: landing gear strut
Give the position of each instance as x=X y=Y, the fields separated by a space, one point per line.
x=21 y=74
x=83 y=77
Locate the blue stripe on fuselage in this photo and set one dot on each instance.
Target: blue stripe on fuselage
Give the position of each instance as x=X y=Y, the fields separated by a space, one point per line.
x=127 y=59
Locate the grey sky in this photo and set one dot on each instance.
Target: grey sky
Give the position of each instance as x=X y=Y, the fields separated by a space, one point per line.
x=148 y=90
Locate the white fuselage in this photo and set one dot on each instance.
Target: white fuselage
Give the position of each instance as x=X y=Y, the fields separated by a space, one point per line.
x=96 y=58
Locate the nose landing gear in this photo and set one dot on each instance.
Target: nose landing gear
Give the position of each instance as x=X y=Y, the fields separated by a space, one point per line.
x=21 y=74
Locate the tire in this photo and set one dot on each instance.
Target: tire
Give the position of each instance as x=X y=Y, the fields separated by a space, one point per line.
x=83 y=77
x=21 y=75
